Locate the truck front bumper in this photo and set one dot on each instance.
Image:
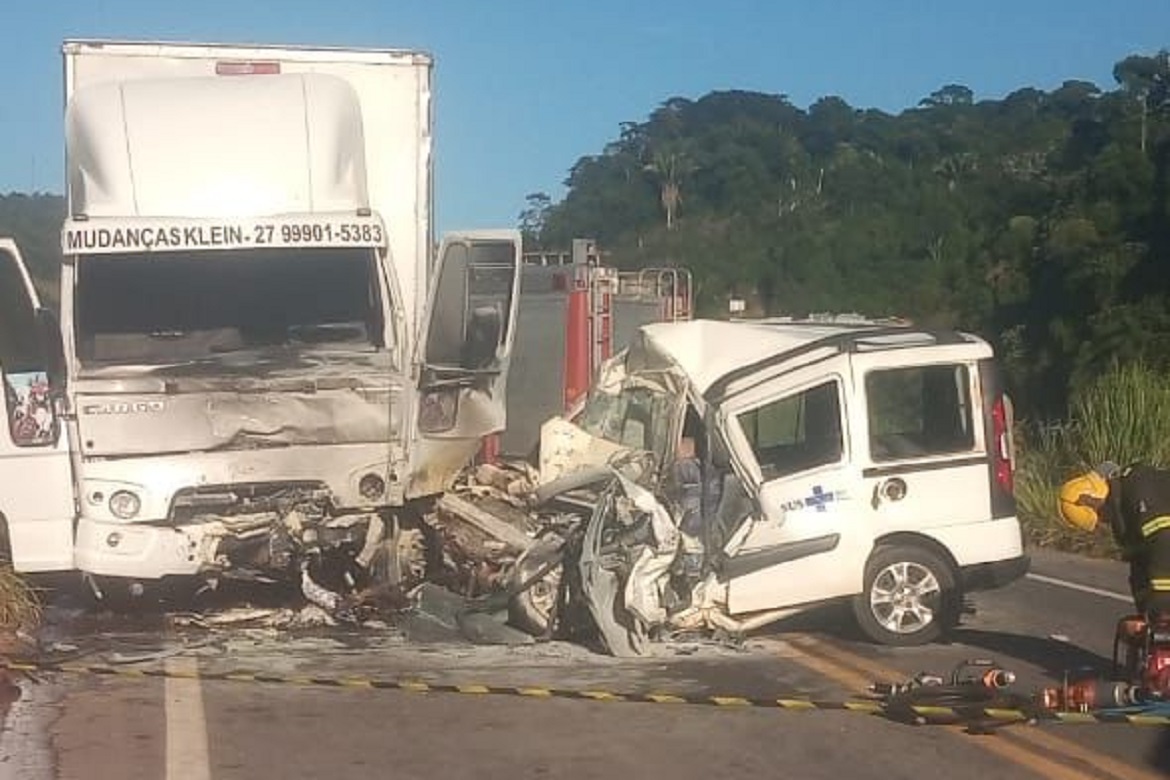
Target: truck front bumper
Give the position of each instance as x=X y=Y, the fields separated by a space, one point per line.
x=135 y=550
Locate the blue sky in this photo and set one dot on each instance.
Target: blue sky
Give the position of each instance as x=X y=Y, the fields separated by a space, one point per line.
x=523 y=89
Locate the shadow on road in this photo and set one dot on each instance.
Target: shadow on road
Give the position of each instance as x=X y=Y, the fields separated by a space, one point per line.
x=1050 y=656
x=1159 y=757
x=1054 y=658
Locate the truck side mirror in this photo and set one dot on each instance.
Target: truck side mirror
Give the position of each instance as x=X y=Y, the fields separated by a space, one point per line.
x=484 y=330
x=471 y=306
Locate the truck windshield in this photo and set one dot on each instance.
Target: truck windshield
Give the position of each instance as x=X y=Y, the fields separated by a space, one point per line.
x=187 y=306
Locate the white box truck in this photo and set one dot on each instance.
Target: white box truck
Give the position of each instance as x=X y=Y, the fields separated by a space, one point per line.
x=265 y=362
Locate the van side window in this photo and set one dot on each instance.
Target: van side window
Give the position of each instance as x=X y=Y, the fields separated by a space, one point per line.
x=919 y=411
x=797 y=432
x=19 y=347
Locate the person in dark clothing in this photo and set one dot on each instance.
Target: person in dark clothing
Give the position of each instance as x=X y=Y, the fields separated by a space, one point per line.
x=1135 y=503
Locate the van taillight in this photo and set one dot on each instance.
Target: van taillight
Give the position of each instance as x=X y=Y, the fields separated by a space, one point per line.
x=1001 y=416
x=246 y=68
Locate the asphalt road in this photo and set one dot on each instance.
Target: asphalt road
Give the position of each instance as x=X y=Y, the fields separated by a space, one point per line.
x=89 y=726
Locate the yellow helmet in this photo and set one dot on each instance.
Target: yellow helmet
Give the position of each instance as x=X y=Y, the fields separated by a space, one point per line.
x=1081 y=498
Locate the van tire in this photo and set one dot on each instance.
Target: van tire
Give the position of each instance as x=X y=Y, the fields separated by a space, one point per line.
x=911 y=587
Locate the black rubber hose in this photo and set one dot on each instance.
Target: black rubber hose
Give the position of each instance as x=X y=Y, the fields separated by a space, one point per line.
x=968 y=701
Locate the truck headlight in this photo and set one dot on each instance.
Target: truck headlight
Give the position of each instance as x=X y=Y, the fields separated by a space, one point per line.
x=438 y=410
x=124 y=505
x=372 y=487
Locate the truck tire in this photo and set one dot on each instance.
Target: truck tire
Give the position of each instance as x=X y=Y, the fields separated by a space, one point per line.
x=909 y=597
x=533 y=609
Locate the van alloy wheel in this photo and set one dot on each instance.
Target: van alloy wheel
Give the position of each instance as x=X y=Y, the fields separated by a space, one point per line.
x=910 y=596
x=904 y=596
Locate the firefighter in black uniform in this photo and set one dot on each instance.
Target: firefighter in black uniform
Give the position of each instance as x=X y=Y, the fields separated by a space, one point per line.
x=1135 y=503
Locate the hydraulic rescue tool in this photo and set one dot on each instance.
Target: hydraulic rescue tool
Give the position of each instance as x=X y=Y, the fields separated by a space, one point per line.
x=975 y=688
x=1140 y=677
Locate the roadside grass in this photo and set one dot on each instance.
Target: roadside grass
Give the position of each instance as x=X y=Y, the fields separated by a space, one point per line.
x=19 y=605
x=1124 y=417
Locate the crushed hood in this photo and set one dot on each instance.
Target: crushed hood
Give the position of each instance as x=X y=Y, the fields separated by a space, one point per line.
x=233 y=404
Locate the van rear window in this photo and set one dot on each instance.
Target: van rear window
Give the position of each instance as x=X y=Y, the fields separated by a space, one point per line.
x=919 y=411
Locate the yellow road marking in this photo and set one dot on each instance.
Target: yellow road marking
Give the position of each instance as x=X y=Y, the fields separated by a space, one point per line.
x=1094 y=759
x=847 y=666
x=666 y=698
x=478 y=689
x=601 y=695
x=414 y=686
x=850 y=680
x=536 y=692
x=730 y=701
x=1020 y=756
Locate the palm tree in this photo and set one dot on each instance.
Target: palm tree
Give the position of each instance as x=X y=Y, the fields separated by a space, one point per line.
x=670 y=166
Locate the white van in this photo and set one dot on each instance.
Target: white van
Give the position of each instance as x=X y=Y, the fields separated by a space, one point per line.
x=36 y=485
x=842 y=459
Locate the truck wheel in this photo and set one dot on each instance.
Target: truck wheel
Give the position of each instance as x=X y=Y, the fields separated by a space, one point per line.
x=909 y=597
x=533 y=610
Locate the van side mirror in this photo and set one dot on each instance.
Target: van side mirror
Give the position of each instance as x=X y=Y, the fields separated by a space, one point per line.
x=29 y=414
x=52 y=350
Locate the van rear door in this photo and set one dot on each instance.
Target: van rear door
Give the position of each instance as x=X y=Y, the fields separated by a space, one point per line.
x=922 y=441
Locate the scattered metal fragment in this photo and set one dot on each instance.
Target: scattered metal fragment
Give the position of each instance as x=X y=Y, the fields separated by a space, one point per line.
x=157 y=655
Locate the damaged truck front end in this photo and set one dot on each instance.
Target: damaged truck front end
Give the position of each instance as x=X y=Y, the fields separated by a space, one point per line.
x=245 y=419
x=270 y=371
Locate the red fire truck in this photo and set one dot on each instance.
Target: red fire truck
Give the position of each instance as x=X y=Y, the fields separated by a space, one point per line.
x=574 y=314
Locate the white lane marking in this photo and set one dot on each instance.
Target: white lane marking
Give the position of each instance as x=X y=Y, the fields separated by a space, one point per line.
x=186 y=723
x=1109 y=594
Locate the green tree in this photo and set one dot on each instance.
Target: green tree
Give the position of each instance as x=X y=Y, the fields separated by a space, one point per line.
x=533 y=218
x=949 y=95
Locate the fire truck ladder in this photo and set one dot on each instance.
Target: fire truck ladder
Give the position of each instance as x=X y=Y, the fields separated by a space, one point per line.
x=672 y=288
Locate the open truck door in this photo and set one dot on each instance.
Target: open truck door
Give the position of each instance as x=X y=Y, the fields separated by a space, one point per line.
x=36 y=485
x=465 y=349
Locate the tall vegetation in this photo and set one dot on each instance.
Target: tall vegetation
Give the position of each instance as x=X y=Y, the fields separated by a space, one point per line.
x=1121 y=416
x=35 y=222
x=1039 y=220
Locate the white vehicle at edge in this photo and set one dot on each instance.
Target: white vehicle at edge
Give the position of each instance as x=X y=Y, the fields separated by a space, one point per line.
x=262 y=359
x=840 y=459
x=36 y=501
